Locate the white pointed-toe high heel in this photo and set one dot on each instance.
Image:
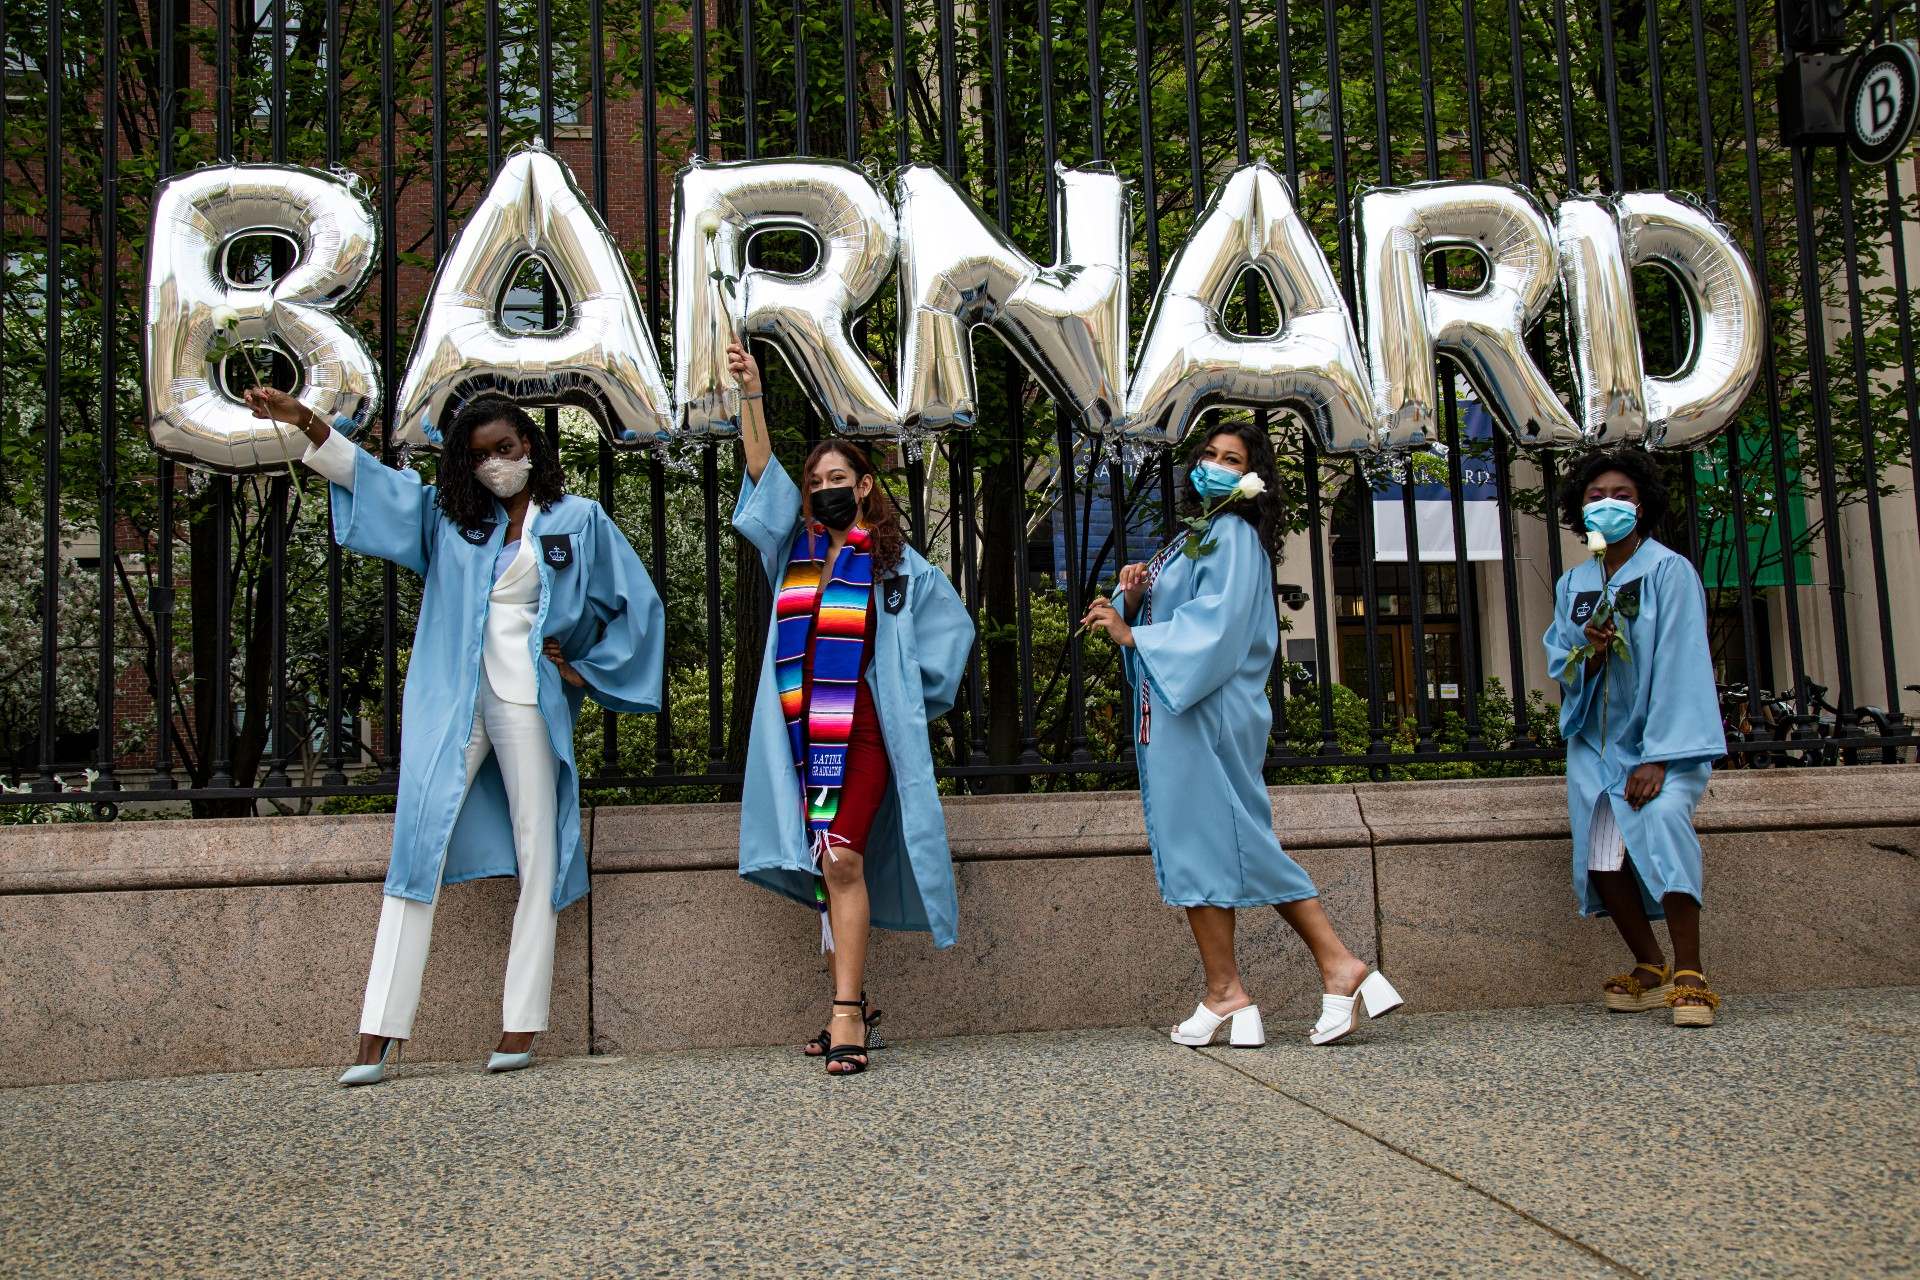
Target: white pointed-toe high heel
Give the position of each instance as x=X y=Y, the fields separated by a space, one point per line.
x=372 y=1072
x=500 y=1062
x=1339 y=1015
x=1247 y=1031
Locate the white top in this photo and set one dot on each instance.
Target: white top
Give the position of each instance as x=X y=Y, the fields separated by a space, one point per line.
x=507 y=654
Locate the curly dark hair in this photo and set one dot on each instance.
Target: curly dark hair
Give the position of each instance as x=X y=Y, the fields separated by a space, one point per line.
x=878 y=513
x=1636 y=466
x=1263 y=512
x=462 y=497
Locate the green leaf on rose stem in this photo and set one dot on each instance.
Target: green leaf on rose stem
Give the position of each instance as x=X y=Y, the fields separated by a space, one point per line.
x=1208 y=548
x=1621 y=647
x=1628 y=608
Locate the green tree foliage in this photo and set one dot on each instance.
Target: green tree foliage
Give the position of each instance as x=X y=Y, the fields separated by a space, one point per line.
x=1554 y=97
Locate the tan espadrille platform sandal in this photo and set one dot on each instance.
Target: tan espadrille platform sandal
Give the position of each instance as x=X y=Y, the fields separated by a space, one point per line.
x=1638 y=996
x=1692 y=1015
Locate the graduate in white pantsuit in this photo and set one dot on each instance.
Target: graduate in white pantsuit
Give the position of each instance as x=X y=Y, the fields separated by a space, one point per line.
x=532 y=600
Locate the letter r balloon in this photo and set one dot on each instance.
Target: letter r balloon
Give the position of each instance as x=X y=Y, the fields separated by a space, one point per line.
x=1408 y=320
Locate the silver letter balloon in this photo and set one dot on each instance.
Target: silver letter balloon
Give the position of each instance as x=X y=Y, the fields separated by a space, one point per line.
x=192 y=299
x=1189 y=361
x=717 y=209
x=1066 y=322
x=600 y=357
x=1409 y=320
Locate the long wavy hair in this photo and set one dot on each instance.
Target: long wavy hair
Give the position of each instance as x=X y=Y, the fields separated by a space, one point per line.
x=877 y=511
x=1263 y=512
x=462 y=497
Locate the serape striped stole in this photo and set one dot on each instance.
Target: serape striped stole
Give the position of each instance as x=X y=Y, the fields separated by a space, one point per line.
x=818 y=730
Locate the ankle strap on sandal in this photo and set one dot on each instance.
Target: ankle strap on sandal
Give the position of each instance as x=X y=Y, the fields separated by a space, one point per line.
x=1691 y=973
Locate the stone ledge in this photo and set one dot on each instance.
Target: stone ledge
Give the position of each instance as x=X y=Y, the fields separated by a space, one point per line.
x=1484 y=810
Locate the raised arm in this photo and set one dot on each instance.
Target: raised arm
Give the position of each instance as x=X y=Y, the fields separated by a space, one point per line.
x=753 y=418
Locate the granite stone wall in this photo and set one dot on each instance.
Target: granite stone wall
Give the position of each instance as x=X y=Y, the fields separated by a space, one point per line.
x=140 y=949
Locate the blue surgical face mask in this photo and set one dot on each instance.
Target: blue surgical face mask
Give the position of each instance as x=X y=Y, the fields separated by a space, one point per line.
x=1612 y=518
x=1211 y=481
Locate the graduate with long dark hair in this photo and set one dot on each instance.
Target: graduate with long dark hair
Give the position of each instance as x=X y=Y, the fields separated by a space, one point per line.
x=1198 y=633
x=532 y=600
x=866 y=647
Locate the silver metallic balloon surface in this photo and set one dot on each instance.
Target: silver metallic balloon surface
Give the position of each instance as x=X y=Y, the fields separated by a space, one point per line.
x=601 y=355
x=196 y=218
x=717 y=208
x=1188 y=361
x=1603 y=332
x=1729 y=326
x=1067 y=322
x=1408 y=321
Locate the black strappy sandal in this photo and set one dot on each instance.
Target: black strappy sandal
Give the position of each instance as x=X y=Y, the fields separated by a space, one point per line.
x=852 y=1056
x=820 y=1044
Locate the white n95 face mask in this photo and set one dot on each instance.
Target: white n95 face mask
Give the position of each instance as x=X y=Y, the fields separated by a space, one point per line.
x=505 y=477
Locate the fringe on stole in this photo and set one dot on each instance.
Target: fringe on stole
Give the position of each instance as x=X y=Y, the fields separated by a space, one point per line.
x=822 y=846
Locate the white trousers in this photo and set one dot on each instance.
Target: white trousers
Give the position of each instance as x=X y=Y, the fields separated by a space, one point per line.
x=517 y=734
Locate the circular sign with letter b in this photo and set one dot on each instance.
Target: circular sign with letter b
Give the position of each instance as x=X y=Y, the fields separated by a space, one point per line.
x=1882 y=93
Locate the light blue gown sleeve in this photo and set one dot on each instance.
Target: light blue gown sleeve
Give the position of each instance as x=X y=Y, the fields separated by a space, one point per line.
x=623 y=667
x=1563 y=638
x=942 y=638
x=1205 y=642
x=1683 y=724
x=766 y=515
x=387 y=513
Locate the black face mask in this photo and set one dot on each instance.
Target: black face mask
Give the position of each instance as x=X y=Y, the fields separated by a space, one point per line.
x=836 y=507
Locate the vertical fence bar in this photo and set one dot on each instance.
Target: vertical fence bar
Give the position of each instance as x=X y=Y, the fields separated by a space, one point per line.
x=1813 y=316
x=220 y=748
x=604 y=464
x=850 y=82
x=1876 y=535
x=278 y=526
x=1789 y=594
x=1016 y=472
x=663 y=733
x=333 y=765
x=160 y=599
x=801 y=142
x=390 y=360
x=1466 y=577
x=1416 y=566
x=1342 y=190
x=50 y=458
x=1502 y=452
x=109 y=404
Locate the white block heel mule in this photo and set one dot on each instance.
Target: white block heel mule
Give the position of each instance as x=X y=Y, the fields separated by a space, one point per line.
x=1247 y=1031
x=1339 y=1015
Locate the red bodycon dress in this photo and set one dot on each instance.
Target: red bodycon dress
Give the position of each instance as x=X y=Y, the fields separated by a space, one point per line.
x=868 y=774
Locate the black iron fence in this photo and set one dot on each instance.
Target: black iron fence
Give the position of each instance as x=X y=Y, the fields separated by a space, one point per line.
x=172 y=635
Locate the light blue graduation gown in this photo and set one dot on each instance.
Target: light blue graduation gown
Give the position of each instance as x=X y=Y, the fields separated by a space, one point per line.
x=1661 y=707
x=919 y=655
x=601 y=606
x=1205 y=659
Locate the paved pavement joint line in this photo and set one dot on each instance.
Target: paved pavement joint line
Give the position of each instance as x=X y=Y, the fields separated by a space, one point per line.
x=1398 y=1150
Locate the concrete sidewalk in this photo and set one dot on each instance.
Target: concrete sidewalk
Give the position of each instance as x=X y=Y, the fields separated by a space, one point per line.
x=1553 y=1142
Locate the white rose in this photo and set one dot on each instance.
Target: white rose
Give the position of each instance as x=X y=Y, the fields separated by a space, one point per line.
x=1250 y=486
x=1596 y=544
x=706 y=224
x=225 y=318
